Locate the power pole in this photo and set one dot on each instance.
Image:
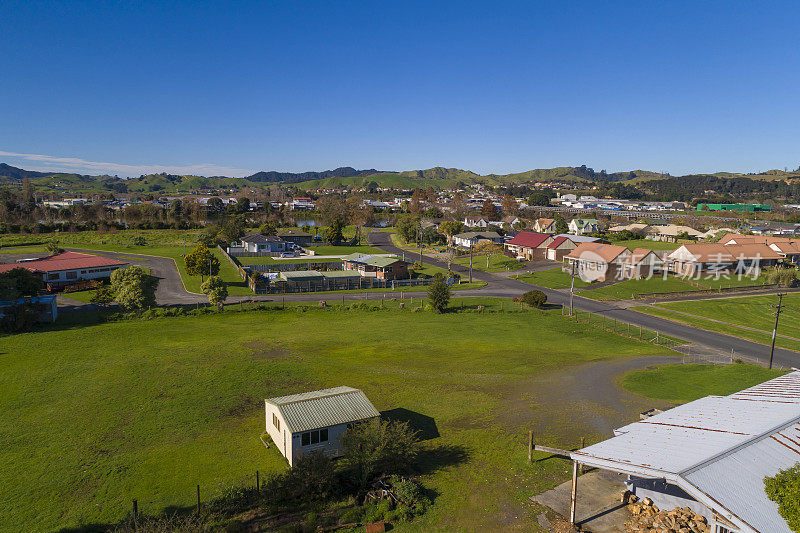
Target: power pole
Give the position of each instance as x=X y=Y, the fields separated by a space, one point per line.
x=470 y=261
x=571 y=287
x=775 y=329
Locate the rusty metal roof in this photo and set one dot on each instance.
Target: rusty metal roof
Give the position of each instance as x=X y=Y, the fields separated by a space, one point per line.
x=323 y=408
x=717 y=448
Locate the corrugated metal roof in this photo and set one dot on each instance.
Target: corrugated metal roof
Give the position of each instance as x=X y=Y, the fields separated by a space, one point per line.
x=717 y=448
x=323 y=408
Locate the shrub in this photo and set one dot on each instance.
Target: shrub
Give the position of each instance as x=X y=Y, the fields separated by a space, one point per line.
x=377 y=446
x=439 y=294
x=534 y=298
x=139 y=241
x=783 y=277
x=784 y=489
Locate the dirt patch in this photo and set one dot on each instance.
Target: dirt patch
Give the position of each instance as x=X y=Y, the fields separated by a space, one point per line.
x=245 y=407
x=265 y=351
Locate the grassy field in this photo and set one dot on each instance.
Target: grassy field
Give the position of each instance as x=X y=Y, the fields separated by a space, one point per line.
x=646 y=243
x=626 y=289
x=497 y=263
x=147 y=409
x=749 y=311
x=685 y=383
x=553 y=279
x=35 y=249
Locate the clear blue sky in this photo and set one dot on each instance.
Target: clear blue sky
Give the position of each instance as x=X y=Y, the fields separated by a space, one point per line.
x=495 y=87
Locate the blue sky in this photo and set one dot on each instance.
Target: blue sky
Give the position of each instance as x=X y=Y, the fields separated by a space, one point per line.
x=232 y=88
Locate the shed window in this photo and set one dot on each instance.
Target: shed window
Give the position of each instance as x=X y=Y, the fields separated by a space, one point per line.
x=276 y=421
x=72 y=275
x=54 y=276
x=306 y=439
x=315 y=437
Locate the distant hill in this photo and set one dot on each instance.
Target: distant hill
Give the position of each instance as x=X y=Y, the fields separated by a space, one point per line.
x=9 y=172
x=291 y=177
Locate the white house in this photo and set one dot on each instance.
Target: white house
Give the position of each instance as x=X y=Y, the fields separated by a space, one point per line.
x=255 y=242
x=710 y=455
x=316 y=420
x=581 y=226
x=471 y=238
x=68 y=267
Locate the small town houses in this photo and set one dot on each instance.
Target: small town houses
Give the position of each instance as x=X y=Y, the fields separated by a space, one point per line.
x=597 y=261
x=472 y=238
x=378 y=266
x=714 y=259
x=68 y=268
x=583 y=226
x=544 y=225
x=256 y=242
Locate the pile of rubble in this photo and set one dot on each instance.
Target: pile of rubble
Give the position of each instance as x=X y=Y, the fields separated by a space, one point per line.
x=647 y=518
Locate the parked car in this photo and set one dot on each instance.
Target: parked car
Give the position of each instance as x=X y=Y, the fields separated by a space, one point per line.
x=288 y=254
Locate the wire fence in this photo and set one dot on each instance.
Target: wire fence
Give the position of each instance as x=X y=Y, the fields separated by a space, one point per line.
x=625 y=329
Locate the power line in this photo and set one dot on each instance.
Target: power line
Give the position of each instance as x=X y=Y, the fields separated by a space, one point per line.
x=775 y=329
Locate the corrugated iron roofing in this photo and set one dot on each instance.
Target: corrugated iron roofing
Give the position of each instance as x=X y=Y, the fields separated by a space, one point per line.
x=717 y=448
x=529 y=239
x=64 y=261
x=324 y=408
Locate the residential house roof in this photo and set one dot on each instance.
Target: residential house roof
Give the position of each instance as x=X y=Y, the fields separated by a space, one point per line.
x=558 y=241
x=673 y=230
x=291 y=232
x=474 y=234
x=636 y=226
x=302 y=275
x=529 y=239
x=64 y=261
x=579 y=238
x=544 y=222
x=256 y=238
x=323 y=408
x=583 y=222
x=714 y=252
x=372 y=260
x=719 y=449
x=607 y=252
x=639 y=254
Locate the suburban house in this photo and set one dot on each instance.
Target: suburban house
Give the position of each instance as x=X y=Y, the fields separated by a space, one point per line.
x=529 y=245
x=544 y=225
x=581 y=226
x=710 y=455
x=788 y=250
x=670 y=233
x=477 y=222
x=642 y=263
x=511 y=220
x=721 y=259
x=560 y=246
x=377 y=266
x=296 y=236
x=772 y=228
x=471 y=238
x=597 y=262
x=635 y=227
x=315 y=421
x=67 y=268
x=255 y=242
x=787 y=247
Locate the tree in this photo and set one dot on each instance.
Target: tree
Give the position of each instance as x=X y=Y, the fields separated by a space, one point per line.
x=451 y=227
x=784 y=489
x=268 y=228
x=53 y=248
x=208 y=237
x=19 y=283
x=534 y=298
x=201 y=262
x=489 y=210
x=407 y=227
x=439 y=294
x=561 y=225
x=134 y=287
x=102 y=295
x=489 y=248
x=243 y=205
x=510 y=206
x=378 y=447
x=232 y=229
x=215 y=204
x=333 y=208
x=334 y=234
x=216 y=290
x=539 y=198
x=28 y=196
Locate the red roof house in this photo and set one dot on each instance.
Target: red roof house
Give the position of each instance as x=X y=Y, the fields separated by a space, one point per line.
x=68 y=267
x=529 y=245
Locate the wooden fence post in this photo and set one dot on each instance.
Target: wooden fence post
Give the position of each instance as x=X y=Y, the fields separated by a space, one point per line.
x=135 y=509
x=198 y=499
x=530 y=447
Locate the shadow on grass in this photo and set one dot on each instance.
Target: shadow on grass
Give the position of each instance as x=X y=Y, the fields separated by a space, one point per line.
x=439 y=457
x=424 y=425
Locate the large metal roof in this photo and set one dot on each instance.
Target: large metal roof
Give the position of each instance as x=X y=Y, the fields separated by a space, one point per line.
x=323 y=408
x=717 y=448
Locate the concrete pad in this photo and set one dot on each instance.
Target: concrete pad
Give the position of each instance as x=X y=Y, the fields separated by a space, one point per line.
x=598 y=509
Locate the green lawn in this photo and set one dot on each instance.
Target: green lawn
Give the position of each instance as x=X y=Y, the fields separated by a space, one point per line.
x=98 y=415
x=750 y=311
x=626 y=289
x=344 y=250
x=81 y=296
x=646 y=243
x=23 y=249
x=497 y=263
x=685 y=383
x=553 y=279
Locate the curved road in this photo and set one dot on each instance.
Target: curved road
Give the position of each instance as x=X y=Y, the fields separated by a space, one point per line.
x=172 y=292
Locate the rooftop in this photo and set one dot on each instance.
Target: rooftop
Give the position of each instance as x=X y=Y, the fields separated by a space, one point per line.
x=64 y=261
x=323 y=408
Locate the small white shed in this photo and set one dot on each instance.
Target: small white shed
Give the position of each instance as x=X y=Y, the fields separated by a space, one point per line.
x=316 y=420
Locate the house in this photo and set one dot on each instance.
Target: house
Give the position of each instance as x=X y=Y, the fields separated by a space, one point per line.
x=634 y=227
x=377 y=266
x=671 y=232
x=715 y=259
x=510 y=221
x=477 y=222
x=581 y=226
x=471 y=238
x=45 y=306
x=296 y=236
x=315 y=421
x=68 y=268
x=642 y=263
x=301 y=276
x=710 y=455
x=255 y=242
x=597 y=262
x=529 y=245
x=560 y=246
x=544 y=225
x=789 y=250
x=772 y=228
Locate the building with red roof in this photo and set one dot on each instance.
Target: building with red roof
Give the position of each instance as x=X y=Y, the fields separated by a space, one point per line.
x=68 y=267
x=529 y=245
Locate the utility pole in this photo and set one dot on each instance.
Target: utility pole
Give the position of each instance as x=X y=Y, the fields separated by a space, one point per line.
x=470 y=261
x=420 y=245
x=571 y=287
x=775 y=329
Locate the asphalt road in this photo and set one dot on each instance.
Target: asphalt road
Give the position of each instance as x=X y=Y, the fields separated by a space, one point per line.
x=171 y=292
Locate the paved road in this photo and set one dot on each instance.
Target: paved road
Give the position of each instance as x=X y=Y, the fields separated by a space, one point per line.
x=172 y=292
